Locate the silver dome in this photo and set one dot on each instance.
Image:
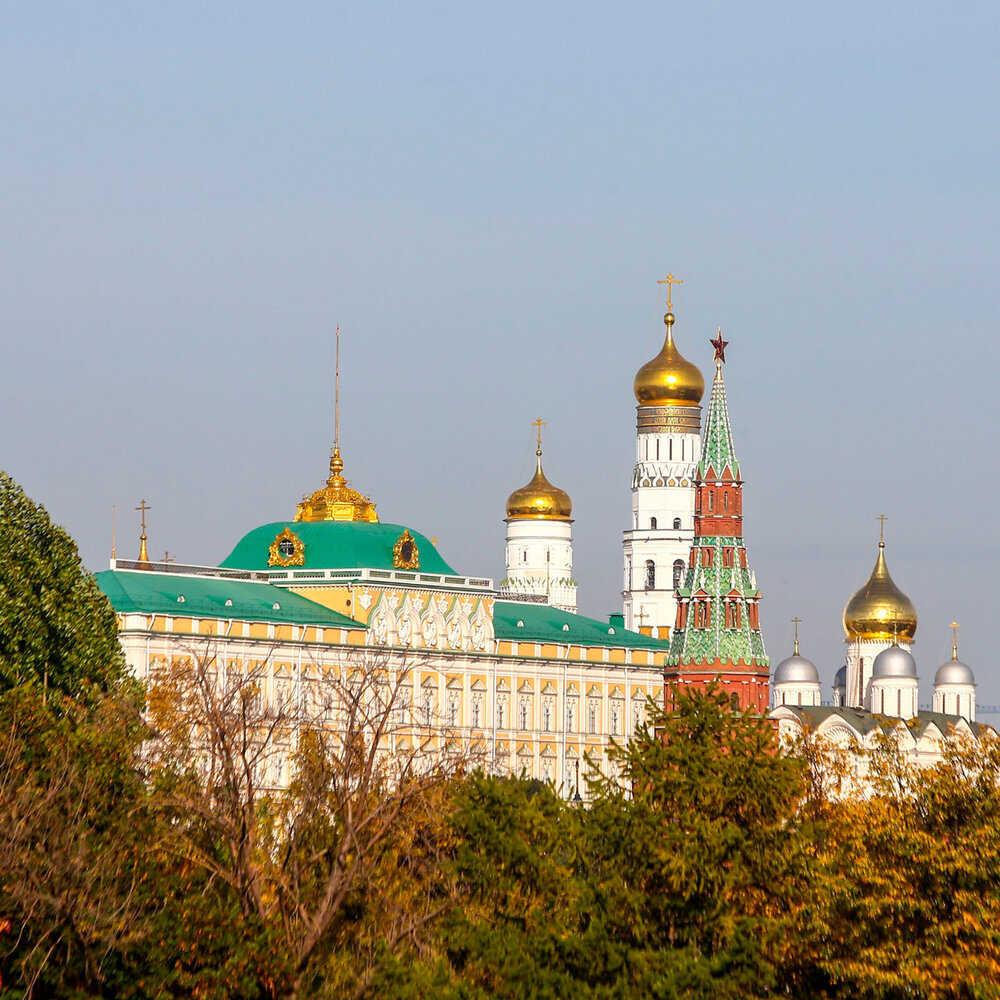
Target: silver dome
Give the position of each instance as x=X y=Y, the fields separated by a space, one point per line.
x=894 y=662
x=954 y=672
x=840 y=679
x=795 y=670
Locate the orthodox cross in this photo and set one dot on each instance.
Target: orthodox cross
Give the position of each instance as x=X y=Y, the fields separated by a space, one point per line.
x=143 y=507
x=670 y=281
x=168 y=558
x=882 y=518
x=796 y=622
x=954 y=640
x=642 y=616
x=538 y=425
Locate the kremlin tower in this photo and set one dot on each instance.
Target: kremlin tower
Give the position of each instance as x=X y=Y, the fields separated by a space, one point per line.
x=540 y=541
x=717 y=633
x=668 y=390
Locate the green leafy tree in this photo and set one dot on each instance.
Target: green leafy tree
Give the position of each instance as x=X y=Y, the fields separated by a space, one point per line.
x=56 y=627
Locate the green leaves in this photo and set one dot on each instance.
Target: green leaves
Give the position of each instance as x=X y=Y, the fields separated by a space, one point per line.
x=56 y=627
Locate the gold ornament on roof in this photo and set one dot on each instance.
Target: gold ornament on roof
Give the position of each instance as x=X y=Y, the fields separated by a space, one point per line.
x=540 y=499
x=336 y=501
x=287 y=549
x=880 y=611
x=143 y=561
x=405 y=554
x=669 y=379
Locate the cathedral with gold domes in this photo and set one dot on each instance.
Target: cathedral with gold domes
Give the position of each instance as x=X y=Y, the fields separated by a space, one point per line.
x=876 y=693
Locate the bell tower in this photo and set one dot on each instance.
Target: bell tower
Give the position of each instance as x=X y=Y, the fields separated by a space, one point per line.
x=668 y=391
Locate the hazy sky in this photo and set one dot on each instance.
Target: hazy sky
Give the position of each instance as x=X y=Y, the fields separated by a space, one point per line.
x=192 y=195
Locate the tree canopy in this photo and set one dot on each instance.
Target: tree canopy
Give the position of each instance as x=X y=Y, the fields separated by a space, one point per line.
x=56 y=627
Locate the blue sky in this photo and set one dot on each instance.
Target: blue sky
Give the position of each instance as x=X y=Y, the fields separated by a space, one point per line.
x=193 y=195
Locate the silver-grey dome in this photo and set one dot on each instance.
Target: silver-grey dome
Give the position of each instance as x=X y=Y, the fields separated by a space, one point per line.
x=795 y=670
x=954 y=672
x=894 y=662
x=840 y=679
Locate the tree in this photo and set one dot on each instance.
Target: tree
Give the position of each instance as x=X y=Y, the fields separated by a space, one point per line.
x=317 y=817
x=56 y=627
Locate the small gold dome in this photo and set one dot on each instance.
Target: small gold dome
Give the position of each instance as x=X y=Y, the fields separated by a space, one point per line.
x=540 y=499
x=880 y=610
x=669 y=379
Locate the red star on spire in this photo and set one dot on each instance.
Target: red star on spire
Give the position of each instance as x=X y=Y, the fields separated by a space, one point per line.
x=720 y=346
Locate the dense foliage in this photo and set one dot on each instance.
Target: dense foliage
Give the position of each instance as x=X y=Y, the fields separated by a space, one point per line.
x=711 y=866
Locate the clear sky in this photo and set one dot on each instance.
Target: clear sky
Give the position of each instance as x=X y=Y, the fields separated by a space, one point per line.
x=192 y=195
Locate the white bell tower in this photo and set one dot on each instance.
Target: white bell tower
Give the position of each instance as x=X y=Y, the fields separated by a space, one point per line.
x=540 y=541
x=657 y=546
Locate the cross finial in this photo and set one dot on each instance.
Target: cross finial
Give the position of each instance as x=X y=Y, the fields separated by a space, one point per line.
x=954 y=640
x=670 y=281
x=538 y=425
x=168 y=558
x=642 y=616
x=796 y=622
x=143 y=554
x=882 y=518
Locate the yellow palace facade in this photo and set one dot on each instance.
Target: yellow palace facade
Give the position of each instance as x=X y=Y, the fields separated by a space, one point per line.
x=334 y=596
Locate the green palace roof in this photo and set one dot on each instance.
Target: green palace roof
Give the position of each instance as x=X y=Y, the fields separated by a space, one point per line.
x=335 y=545
x=207 y=597
x=543 y=623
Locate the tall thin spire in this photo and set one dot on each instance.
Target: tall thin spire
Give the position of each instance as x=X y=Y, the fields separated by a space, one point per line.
x=336 y=397
x=718 y=452
x=113 y=519
x=954 y=640
x=796 y=622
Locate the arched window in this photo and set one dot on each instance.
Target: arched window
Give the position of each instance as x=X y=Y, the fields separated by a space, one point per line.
x=678 y=572
x=652 y=523
x=650 y=575
x=677 y=524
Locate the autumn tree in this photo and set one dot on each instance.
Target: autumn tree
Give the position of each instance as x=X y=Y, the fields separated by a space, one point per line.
x=317 y=816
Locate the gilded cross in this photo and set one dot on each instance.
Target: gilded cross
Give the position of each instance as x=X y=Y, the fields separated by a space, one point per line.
x=642 y=616
x=954 y=640
x=143 y=507
x=538 y=425
x=796 y=622
x=670 y=281
x=168 y=558
x=882 y=518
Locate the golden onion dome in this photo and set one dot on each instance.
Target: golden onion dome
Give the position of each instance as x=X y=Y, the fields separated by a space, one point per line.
x=669 y=379
x=540 y=499
x=880 y=610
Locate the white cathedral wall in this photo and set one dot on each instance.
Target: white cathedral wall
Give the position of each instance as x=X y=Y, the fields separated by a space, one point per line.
x=795 y=694
x=894 y=696
x=956 y=699
x=861 y=655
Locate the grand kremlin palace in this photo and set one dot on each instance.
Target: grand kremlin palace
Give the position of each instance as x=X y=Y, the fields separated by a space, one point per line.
x=513 y=672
